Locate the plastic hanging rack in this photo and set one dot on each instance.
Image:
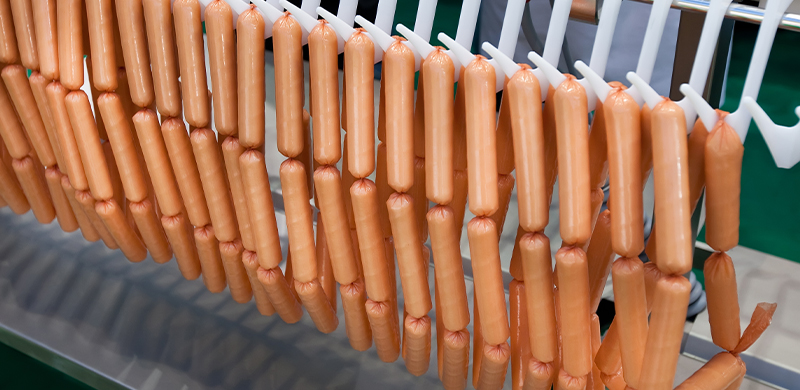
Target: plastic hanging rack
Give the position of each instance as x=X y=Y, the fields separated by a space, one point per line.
x=424 y=24
x=306 y=15
x=418 y=39
x=783 y=142
x=342 y=22
x=344 y=27
x=740 y=119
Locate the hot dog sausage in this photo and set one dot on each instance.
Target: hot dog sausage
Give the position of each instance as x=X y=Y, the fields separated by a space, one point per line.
x=598 y=149
x=488 y=279
x=505 y=184
x=116 y=181
x=719 y=373
x=359 y=55
x=34 y=186
x=22 y=12
x=280 y=294
x=88 y=231
x=723 y=171
x=373 y=253
x=210 y=259
x=133 y=35
x=671 y=182
x=38 y=86
x=124 y=146
x=69 y=20
x=44 y=20
x=460 y=125
x=63 y=210
x=417 y=344
x=455 y=360
x=399 y=63
x=215 y=185
x=222 y=66
x=235 y=274
x=323 y=73
x=331 y=205
x=385 y=330
x=448 y=270
x=250 y=81
x=630 y=303
x=11 y=191
x=608 y=358
x=324 y=266
x=10 y=127
x=666 y=322
x=114 y=218
x=417 y=192
x=356 y=322
x=155 y=154
x=287 y=40
x=565 y=381
x=520 y=345
x=87 y=204
x=413 y=275
x=723 y=300
x=494 y=365
x=187 y=175
x=9 y=52
x=161 y=42
x=19 y=90
x=624 y=139
x=100 y=15
x=539 y=376
x=299 y=220
x=56 y=97
x=479 y=81
x=537 y=266
x=316 y=303
x=144 y=213
x=88 y=139
x=384 y=190
x=550 y=143
x=439 y=127
x=575 y=327
x=419 y=113
x=255 y=181
x=189 y=38
x=264 y=306
x=231 y=151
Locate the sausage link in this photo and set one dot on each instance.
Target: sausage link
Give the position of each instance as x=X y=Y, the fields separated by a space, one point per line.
x=594 y=381
x=608 y=359
x=419 y=113
x=324 y=266
x=399 y=63
x=210 y=258
x=332 y=207
x=438 y=137
x=323 y=73
x=504 y=143
x=133 y=35
x=299 y=220
x=417 y=344
x=647 y=142
x=38 y=85
x=88 y=205
x=88 y=139
x=56 y=97
x=100 y=15
x=215 y=186
x=550 y=143
x=263 y=304
x=505 y=184
x=250 y=73
x=287 y=40
x=598 y=148
x=235 y=274
x=600 y=256
x=624 y=140
x=19 y=90
x=449 y=272
x=191 y=59
x=33 y=185
x=113 y=217
x=723 y=301
x=116 y=180
x=382 y=107
x=417 y=192
x=666 y=323
x=479 y=80
x=537 y=266
x=566 y=381
x=9 y=52
x=384 y=190
x=222 y=66
x=696 y=149
x=231 y=151
x=539 y=376
x=630 y=303
x=671 y=182
x=488 y=279
x=11 y=191
x=460 y=126
x=161 y=42
x=280 y=294
x=494 y=365
x=255 y=181
x=575 y=327
x=520 y=345
x=146 y=217
x=355 y=317
x=155 y=154
x=358 y=55
x=455 y=359
x=22 y=11
x=11 y=128
x=515 y=264
x=316 y=303
x=385 y=329
x=124 y=146
x=69 y=19
x=723 y=174
x=180 y=235
x=373 y=253
x=44 y=20
x=413 y=270
x=718 y=373
x=63 y=210
x=184 y=165
x=614 y=381
x=88 y=231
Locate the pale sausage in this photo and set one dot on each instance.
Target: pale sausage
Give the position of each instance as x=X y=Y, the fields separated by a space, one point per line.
x=231 y=150
x=210 y=259
x=44 y=20
x=11 y=191
x=191 y=58
x=723 y=174
x=38 y=86
x=364 y=194
x=11 y=128
x=280 y=294
x=264 y=306
x=479 y=81
x=723 y=300
x=19 y=90
x=385 y=330
x=399 y=63
x=439 y=127
x=718 y=373
x=417 y=344
x=455 y=360
x=56 y=97
x=384 y=190
x=575 y=326
x=22 y=11
x=64 y=213
x=87 y=204
x=31 y=179
x=289 y=85
x=413 y=269
x=520 y=343
x=494 y=365
x=88 y=231
x=332 y=207
x=250 y=78
x=155 y=154
x=539 y=376
x=537 y=266
x=144 y=213
x=316 y=303
x=358 y=56
x=9 y=53
x=255 y=181
x=505 y=185
x=324 y=76
x=631 y=308
x=354 y=298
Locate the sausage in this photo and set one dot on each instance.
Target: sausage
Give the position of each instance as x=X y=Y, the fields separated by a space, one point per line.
x=488 y=280
x=222 y=66
x=56 y=97
x=331 y=206
x=385 y=329
x=614 y=381
x=666 y=322
x=38 y=85
x=630 y=303
x=69 y=19
x=525 y=108
x=250 y=82
x=316 y=303
x=417 y=344
x=306 y=155
x=19 y=90
x=280 y=294
x=116 y=181
x=448 y=271
x=505 y=144
x=399 y=63
x=22 y=12
x=250 y=261
x=418 y=191
x=356 y=322
x=647 y=142
x=262 y=212
x=608 y=359
x=494 y=365
x=94 y=93
x=191 y=58
x=460 y=126
x=124 y=146
x=718 y=373
x=382 y=107
x=358 y=56
x=323 y=73
x=63 y=210
x=33 y=185
x=100 y=15
x=572 y=137
x=161 y=42
x=515 y=264
x=88 y=204
x=594 y=381
x=155 y=154
x=144 y=213
x=44 y=20
x=723 y=300
x=598 y=148
x=231 y=150
x=723 y=174
x=287 y=40
x=324 y=266
x=215 y=185
x=456 y=359
x=565 y=381
x=88 y=231
x=299 y=220
x=439 y=124
x=537 y=266
x=384 y=190
x=520 y=345
x=376 y=272
x=210 y=258
x=88 y=139
x=539 y=376
x=477 y=341
x=696 y=149
x=347 y=181
x=235 y=273
x=413 y=270
x=671 y=182
x=575 y=327
x=479 y=81
x=10 y=127
x=505 y=184
x=113 y=217
x=550 y=142
x=181 y=237
x=419 y=113
x=9 y=52
x=184 y=165
x=133 y=35
x=624 y=138
x=600 y=255
x=11 y=191
x=437 y=308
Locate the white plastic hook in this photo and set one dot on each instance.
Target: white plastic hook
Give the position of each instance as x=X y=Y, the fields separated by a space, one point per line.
x=418 y=44
x=460 y=55
x=599 y=86
x=552 y=46
x=650 y=96
x=783 y=142
x=382 y=38
x=270 y=12
x=508 y=65
x=344 y=25
x=342 y=29
x=605 y=34
x=306 y=16
x=551 y=74
x=237 y=8
x=707 y=115
x=385 y=14
x=346 y=11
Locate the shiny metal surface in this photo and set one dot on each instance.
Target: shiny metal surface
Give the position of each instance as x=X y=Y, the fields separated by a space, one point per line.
x=740 y=12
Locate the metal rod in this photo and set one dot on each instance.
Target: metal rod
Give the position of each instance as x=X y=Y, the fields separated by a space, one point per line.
x=740 y=12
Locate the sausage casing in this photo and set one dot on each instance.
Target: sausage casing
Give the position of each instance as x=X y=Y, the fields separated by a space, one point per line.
x=439 y=127
x=479 y=81
x=124 y=146
x=184 y=165
x=70 y=16
x=299 y=220
x=32 y=181
x=410 y=260
x=156 y=157
x=100 y=18
x=723 y=174
x=9 y=52
x=373 y=254
x=287 y=39
x=191 y=58
x=44 y=20
x=22 y=12
x=19 y=90
x=222 y=66
x=449 y=272
x=255 y=181
x=573 y=286
x=331 y=205
x=130 y=17
x=488 y=279
x=399 y=63
x=324 y=76
x=161 y=42
x=537 y=266
x=88 y=139
x=359 y=53
x=723 y=300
